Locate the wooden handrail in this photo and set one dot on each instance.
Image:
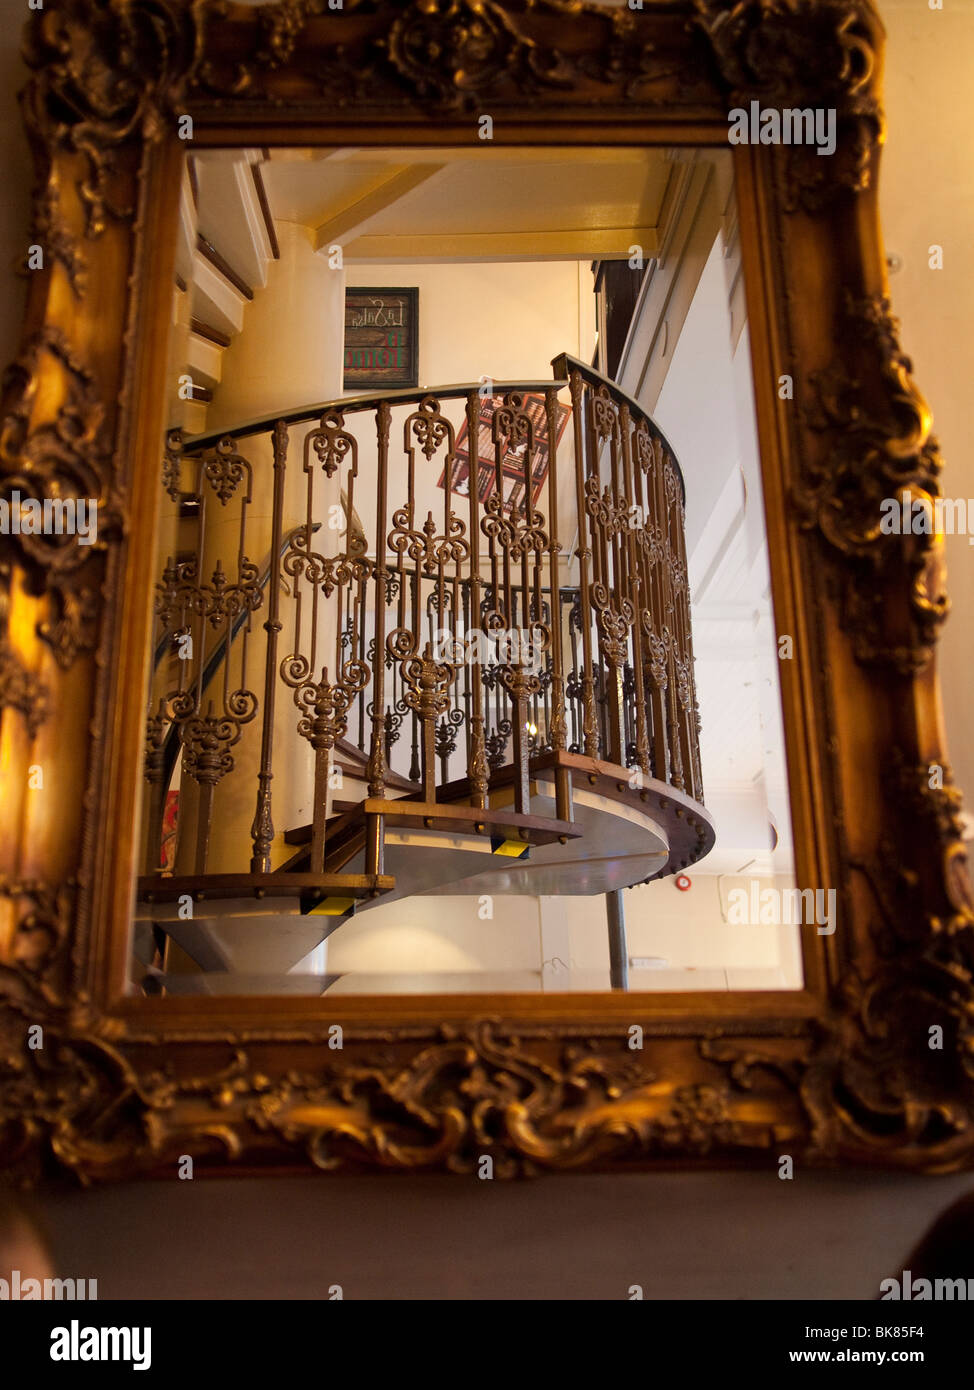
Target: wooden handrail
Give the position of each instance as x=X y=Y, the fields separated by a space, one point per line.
x=352 y=404
x=564 y=364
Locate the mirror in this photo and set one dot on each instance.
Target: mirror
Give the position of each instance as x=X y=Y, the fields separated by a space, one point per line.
x=419 y=723
x=279 y=443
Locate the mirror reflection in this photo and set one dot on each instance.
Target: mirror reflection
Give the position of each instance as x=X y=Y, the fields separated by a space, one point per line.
x=463 y=674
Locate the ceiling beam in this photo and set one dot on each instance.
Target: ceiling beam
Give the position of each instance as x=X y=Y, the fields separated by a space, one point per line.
x=486 y=153
x=586 y=243
x=353 y=218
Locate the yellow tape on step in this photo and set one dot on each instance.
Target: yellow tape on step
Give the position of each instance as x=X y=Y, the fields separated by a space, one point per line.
x=332 y=907
x=512 y=849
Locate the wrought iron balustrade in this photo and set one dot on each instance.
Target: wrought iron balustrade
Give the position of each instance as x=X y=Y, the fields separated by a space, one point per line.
x=403 y=535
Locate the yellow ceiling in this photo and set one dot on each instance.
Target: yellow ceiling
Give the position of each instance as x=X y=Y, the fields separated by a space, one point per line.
x=481 y=204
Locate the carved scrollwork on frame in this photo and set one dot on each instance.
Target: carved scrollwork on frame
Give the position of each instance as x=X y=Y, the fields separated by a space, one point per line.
x=876 y=456
x=532 y=1104
x=52 y=233
x=805 y=54
x=452 y=49
x=873 y=1085
x=58 y=476
x=907 y=915
x=106 y=74
x=847 y=1075
x=21 y=690
x=450 y=56
x=74 y=629
x=514 y=1107
x=875 y=1089
x=37 y=926
x=59 y=464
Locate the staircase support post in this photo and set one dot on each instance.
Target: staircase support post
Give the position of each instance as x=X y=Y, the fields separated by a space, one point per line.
x=618 y=945
x=374 y=844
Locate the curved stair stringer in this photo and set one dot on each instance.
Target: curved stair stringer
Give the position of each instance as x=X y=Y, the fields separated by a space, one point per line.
x=621 y=833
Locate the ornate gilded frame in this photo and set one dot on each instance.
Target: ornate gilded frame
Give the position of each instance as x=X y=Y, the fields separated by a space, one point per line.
x=842 y=1070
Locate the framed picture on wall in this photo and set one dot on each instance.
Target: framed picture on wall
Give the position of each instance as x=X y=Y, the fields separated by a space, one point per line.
x=381 y=338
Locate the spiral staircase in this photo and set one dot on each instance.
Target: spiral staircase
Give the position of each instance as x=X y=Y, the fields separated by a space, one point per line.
x=479 y=681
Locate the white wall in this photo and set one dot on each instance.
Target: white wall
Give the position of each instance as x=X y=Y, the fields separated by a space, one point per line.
x=705 y=407
x=289 y=352
x=504 y=321
x=422 y=937
x=696 y=408
x=690 y=936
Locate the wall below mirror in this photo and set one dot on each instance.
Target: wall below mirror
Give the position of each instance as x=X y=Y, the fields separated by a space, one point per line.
x=530 y=738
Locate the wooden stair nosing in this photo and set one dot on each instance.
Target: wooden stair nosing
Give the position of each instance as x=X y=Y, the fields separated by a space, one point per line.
x=212 y=335
x=282 y=882
x=219 y=263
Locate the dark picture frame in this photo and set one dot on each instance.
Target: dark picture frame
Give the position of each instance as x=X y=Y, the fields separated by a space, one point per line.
x=373 y=338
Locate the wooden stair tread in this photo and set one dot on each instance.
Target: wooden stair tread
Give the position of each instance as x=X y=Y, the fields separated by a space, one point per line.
x=279 y=884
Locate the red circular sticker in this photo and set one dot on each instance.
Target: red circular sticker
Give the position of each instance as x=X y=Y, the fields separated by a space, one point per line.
x=682 y=882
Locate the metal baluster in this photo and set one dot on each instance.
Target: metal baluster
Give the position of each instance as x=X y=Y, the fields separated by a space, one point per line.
x=361 y=606
x=590 y=734
x=556 y=722
x=477 y=769
x=377 y=766
x=414 y=766
x=638 y=596
x=653 y=619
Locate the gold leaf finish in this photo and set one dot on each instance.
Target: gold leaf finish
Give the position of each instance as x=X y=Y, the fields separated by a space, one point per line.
x=841 y=1070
